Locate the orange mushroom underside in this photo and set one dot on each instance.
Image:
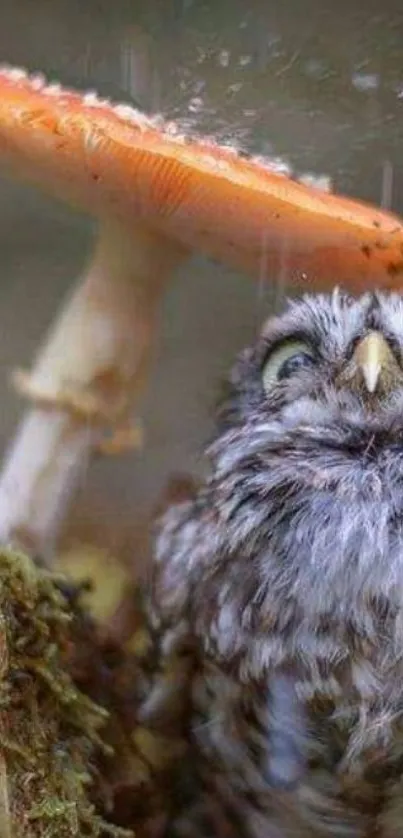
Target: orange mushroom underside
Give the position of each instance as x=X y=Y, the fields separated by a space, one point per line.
x=111 y=160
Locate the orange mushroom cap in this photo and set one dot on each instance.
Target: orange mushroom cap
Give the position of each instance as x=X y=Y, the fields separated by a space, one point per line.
x=112 y=160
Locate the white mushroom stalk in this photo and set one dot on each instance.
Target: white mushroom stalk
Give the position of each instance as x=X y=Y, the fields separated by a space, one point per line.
x=85 y=382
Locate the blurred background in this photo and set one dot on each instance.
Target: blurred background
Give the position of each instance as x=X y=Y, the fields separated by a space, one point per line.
x=316 y=85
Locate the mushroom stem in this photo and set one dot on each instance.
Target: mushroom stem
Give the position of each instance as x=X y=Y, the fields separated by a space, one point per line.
x=85 y=382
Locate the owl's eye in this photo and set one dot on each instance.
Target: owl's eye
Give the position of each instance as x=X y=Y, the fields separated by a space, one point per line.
x=285 y=361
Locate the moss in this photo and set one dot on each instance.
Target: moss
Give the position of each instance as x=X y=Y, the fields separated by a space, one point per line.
x=78 y=754
x=51 y=733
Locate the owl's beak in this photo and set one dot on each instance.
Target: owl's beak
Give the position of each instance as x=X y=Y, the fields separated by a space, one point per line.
x=375 y=363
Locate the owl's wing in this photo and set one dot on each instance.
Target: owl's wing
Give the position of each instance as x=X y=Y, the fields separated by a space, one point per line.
x=165 y=715
x=196 y=700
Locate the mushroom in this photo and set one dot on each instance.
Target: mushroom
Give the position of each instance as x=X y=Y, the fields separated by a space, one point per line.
x=157 y=195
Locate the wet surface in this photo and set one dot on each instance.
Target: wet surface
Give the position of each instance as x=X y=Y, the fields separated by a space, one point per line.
x=313 y=84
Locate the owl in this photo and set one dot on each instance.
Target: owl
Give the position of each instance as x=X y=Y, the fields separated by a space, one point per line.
x=278 y=587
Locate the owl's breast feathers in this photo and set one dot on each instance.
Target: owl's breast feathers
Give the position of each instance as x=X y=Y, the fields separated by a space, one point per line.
x=336 y=764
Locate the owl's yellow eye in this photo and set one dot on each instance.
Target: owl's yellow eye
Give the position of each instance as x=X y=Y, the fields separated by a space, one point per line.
x=286 y=360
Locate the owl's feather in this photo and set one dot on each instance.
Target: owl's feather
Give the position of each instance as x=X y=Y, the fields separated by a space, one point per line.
x=285 y=576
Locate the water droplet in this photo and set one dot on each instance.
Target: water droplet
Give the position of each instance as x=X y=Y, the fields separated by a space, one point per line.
x=195 y=104
x=321 y=182
x=235 y=88
x=274 y=164
x=201 y=55
x=223 y=57
x=364 y=82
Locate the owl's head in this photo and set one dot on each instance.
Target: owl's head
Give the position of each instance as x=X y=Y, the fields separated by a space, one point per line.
x=307 y=469
x=338 y=353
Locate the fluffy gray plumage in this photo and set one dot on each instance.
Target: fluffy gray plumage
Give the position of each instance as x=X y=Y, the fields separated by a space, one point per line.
x=286 y=575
